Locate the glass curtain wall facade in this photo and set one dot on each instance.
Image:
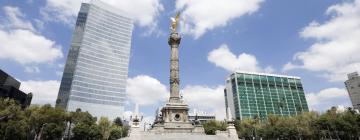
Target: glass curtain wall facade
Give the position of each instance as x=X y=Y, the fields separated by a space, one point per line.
x=96 y=69
x=256 y=95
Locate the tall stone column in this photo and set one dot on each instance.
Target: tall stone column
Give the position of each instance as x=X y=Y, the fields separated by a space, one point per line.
x=174 y=41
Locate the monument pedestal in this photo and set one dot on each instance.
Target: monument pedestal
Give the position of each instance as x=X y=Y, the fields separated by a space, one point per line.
x=176 y=120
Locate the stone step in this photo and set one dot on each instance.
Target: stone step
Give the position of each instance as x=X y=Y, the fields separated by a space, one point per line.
x=180 y=136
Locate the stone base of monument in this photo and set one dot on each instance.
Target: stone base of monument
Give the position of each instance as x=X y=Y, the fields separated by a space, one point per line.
x=175 y=120
x=179 y=136
x=172 y=128
x=180 y=128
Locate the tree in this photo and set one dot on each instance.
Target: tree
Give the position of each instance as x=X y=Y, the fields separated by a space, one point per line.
x=83 y=131
x=104 y=125
x=80 y=131
x=116 y=133
x=118 y=121
x=350 y=125
x=246 y=128
x=222 y=125
x=210 y=127
x=125 y=130
x=304 y=124
x=76 y=117
x=83 y=117
x=277 y=127
x=13 y=122
x=41 y=116
x=52 y=131
x=16 y=130
x=95 y=133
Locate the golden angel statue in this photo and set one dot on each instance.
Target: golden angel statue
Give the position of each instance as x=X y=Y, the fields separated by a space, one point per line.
x=174 y=22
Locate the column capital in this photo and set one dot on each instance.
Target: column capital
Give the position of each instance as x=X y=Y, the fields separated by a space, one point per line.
x=174 y=39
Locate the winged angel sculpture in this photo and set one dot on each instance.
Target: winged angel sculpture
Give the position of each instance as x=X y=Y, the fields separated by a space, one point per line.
x=174 y=22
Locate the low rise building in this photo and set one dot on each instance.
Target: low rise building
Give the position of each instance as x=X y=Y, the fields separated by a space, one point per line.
x=9 y=88
x=201 y=116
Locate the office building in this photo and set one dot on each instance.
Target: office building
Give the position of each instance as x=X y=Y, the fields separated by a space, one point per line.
x=256 y=95
x=9 y=88
x=353 y=88
x=200 y=116
x=95 y=73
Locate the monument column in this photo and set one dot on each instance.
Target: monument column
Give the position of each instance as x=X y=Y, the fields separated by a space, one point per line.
x=175 y=112
x=174 y=41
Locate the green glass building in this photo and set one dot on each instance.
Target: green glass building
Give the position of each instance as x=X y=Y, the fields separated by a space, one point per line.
x=251 y=95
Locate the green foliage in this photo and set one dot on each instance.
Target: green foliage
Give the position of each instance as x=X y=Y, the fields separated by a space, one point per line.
x=104 y=125
x=118 y=121
x=222 y=125
x=40 y=117
x=308 y=125
x=83 y=131
x=10 y=110
x=49 y=123
x=16 y=130
x=52 y=131
x=125 y=131
x=210 y=127
x=44 y=121
x=338 y=125
x=83 y=117
x=13 y=122
x=247 y=128
x=116 y=133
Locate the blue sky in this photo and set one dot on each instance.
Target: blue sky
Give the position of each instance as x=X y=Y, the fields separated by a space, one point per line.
x=316 y=40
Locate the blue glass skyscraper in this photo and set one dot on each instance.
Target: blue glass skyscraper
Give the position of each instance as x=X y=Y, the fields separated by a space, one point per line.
x=96 y=69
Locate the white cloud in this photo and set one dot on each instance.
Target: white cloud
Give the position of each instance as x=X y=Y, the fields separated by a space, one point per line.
x=61 y=10
x=206 y=98
x=20 y=42
x=224 y=58
x=328 y=98
x=336 y=48
x=33 y=69
x=289 y=66
x=146 y=90
x=39 y=24
x=204 y=15
x=59 y=73
x=16 y=19
x=144 y=12
x=44 y=92
x=25 y=47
